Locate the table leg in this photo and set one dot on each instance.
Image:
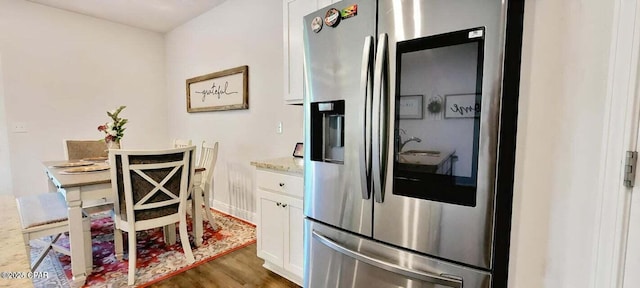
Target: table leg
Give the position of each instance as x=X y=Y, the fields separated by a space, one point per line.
x=169 y=234
x=76 y=237
x=196 y=200
x=88 y=249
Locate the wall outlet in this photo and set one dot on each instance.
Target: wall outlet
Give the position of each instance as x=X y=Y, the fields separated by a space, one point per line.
x=19 y=127
x=279 y=131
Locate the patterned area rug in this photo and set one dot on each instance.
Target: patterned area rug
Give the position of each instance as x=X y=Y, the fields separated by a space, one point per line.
x=156 y=260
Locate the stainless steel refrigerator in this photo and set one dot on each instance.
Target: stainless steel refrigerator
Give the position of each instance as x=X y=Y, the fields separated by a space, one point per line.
x=402 y=114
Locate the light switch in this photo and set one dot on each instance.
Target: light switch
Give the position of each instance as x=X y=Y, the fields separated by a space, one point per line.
x=20 y=127
x=279 y=127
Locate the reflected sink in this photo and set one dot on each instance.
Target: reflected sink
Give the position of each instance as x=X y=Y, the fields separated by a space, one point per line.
x=420 y=153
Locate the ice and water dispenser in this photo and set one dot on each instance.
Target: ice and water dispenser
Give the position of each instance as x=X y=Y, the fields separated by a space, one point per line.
x=327 y=131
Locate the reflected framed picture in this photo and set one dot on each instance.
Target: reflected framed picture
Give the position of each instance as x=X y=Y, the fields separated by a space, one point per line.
x=298 y=152
x=410 y=107
x=462 y=105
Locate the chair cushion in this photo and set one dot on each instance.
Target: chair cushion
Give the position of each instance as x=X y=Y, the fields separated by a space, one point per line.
x=41 y=209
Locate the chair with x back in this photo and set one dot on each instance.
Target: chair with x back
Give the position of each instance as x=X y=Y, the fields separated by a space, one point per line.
x=208 y=158
x=169 y=231
x=151 y=189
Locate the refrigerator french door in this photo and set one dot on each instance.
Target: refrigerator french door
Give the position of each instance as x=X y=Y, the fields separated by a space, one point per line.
x=401 y=120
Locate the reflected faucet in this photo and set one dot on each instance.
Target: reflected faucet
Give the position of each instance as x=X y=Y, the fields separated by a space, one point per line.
x=402 y=143
x=409 y=140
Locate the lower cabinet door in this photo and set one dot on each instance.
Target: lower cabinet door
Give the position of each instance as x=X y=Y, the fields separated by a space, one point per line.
x=294 y=237
x=270 y=238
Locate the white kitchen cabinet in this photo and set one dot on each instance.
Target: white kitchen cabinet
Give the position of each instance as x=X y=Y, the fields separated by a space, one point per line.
x=293 y=240
x=293 y=12
x=280 y=220
x=270 y=241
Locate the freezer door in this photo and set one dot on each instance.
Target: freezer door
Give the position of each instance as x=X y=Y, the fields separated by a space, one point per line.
x=335 y=104
x=445 y=71
x=342 y=259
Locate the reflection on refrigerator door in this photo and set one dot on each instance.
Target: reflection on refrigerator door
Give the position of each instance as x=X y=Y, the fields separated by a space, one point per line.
x=344 y=260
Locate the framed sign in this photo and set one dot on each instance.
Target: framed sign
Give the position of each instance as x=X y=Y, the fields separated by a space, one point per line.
x=461 y=106
x=224 y=90
x=410 y=107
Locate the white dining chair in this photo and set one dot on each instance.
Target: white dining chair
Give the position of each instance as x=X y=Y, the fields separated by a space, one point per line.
x=208 y=158
x=151 y=189
x=169 y=230
x=76 y=149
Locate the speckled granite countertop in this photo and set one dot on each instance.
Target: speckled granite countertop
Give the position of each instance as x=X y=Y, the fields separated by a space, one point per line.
x=13 y=256
x=286 y=164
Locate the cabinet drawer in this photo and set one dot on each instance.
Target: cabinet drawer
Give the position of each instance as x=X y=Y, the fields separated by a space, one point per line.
x=281 y=183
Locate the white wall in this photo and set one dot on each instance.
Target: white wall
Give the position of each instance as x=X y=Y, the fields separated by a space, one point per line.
x=5 y=164
x=62 y=71
x=235 y=33
x=563 y=87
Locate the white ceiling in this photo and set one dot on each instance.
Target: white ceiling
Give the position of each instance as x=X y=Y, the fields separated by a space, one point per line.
x=155 y=15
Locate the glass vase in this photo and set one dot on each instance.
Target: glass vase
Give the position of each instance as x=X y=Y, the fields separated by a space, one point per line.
x=113 y=145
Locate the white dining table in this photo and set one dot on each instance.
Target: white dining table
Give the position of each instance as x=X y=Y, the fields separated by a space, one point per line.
x=83 y=187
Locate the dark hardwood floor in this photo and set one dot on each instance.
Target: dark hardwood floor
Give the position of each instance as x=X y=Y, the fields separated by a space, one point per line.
x=241 y=268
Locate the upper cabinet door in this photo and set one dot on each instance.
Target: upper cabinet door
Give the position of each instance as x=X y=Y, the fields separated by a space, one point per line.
x=293 y=11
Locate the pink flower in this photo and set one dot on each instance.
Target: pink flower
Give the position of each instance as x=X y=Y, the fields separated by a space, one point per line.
x=114 y=130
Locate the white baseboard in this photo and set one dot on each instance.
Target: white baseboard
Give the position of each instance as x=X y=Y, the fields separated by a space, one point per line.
x=248 y=216
x=284 y=273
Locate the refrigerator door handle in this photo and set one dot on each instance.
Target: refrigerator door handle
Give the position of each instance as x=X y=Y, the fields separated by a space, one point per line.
x=380 y=117
x=440 y=279
x=366 y=86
